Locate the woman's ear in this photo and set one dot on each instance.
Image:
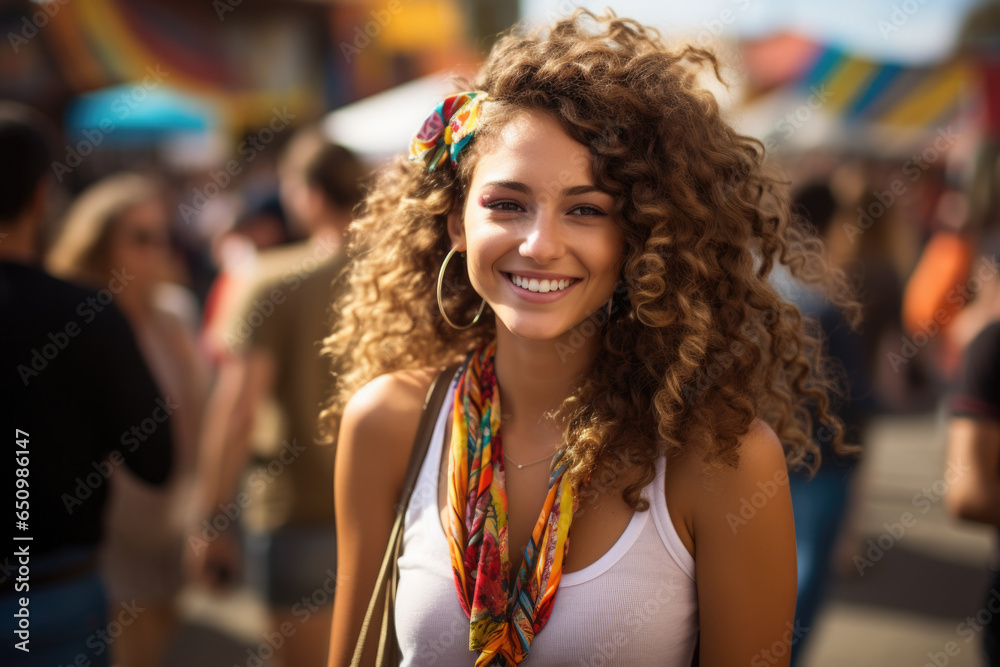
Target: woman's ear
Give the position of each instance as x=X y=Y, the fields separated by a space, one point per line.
x=456 y=226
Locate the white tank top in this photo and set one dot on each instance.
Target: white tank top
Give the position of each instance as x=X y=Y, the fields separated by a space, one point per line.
x=637 y=605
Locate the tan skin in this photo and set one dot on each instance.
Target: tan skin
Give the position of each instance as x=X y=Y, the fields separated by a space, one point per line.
x=746 y=580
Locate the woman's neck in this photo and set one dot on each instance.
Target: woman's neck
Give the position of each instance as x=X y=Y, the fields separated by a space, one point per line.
x=535 y=377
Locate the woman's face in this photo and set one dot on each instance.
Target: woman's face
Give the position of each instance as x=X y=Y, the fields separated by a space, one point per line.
x=140 y=242
x=542 y=247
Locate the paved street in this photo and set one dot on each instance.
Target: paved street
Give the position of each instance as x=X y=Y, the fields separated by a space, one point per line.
x=915 y=598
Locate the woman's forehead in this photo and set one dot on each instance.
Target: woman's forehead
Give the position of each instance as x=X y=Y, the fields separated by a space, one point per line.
x=534 y=140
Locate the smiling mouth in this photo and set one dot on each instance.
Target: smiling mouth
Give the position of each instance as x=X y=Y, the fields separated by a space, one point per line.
x=541 y=286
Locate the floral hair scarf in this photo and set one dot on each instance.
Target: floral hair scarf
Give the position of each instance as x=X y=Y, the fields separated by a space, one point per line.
x=502 y=623
x=447 y=130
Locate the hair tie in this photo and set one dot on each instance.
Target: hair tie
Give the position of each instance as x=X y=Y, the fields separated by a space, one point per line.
x=447 y=130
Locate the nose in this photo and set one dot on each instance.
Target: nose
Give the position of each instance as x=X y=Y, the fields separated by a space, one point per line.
x=543 y=241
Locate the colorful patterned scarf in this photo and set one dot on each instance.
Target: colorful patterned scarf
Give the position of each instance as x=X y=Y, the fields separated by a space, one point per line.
x=502 y=623
x=447 y=130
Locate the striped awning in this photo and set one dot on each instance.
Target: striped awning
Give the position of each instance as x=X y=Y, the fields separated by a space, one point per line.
x=102 y=43
x=862 y=91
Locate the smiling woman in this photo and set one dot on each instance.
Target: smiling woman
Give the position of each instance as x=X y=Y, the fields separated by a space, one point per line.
x=545 y=257
x=584 y=194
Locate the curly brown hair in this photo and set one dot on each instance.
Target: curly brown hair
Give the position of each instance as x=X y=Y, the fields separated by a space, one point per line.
x=698 y=343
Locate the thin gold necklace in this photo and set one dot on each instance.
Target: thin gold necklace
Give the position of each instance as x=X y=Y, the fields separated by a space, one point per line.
x=519 y=466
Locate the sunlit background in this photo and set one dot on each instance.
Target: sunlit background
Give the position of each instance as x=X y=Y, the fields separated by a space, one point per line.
x=869 y=96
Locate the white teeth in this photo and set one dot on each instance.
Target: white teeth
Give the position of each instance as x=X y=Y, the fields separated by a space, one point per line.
x=541 y=286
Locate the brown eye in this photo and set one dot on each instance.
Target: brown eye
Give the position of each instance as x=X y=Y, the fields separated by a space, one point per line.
x=587 y=209
x=504 y=205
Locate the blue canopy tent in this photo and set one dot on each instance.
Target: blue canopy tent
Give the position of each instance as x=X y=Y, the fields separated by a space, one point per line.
x=185 y=130
x=139 y=114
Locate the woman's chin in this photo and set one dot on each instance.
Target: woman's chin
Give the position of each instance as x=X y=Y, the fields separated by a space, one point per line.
x=534 y=327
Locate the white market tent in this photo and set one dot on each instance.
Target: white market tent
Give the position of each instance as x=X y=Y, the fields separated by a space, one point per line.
x=380 y=126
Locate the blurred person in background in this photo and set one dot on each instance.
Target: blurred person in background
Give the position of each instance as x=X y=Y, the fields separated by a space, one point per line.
x=981 y=205
x=820 y=502
x=934 y=293
x=974 y=402
x=264 y=225
x=76 y=383
x=974 y=456
x=953 y=291
x=264 y=412
x=119 y=229
x=875 y=257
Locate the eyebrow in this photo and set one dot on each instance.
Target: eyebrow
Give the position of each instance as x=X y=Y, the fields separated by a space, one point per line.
x=526 y=189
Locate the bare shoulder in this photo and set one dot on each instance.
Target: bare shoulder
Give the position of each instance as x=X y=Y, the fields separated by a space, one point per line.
x=374 y=445
x=760 y=453
x=706 y=488
x=384 y=413
x=744 y=537
x=398 y=394
x=373 y=449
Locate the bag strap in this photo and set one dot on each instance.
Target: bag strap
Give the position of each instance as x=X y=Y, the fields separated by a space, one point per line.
x=428 y=418
x=432 y=405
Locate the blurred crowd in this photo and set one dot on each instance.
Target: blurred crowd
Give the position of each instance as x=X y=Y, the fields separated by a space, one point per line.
x=230 y=327
x=233 y=381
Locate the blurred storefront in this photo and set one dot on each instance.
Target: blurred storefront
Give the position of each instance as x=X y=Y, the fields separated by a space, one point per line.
x=200 y=76
x=802 y=95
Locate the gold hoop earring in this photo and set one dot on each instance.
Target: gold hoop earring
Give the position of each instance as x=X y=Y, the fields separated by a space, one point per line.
x=440 y=300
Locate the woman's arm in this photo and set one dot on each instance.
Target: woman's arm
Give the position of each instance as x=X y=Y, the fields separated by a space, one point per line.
x=744 y=537
x=973 y=472
x=373 y=449
x=244 y=382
